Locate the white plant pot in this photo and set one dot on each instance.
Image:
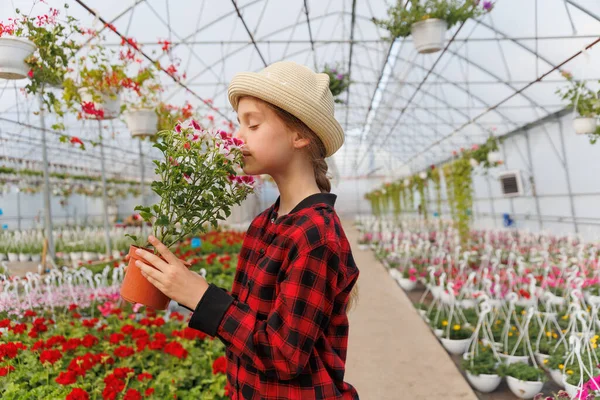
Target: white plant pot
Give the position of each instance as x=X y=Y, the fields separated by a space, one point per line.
x=524 y=389
x=23 y=257
x=89 y=256
x=494 y=157
x=407 y=284
x=363 y=247
x=101 y=256
x=110 y=106
x=438 y=332
x=584 y=125
x=36 y=258
x=508 y=360
x=13 y=257
x=76 y=256
x=429 y=35
x=3 y=257
x=13 y=52
x=142 y=122
x=456 y=347
x=116 y=254
x=484 y=383
x=556 y=375
x=571 y=390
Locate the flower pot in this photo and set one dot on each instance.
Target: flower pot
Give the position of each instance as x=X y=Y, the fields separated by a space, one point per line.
x=556 y=375
x=2 y=257
x=524 y=389
x=13 y=52
x=407 y=284
x=506 y=359
x=36 y=258
x=137 y=289
x=116 y=254
x=584 y=125
x=142 y=122
x=429 y=35
x=484 y=383
x=76 y=255
x=456 y=346
x=572 y=390
x=438 y=333
x=89 y=256
x=110 y=106
x=494 y=157
x=363 y=247
x=100 y=256
x=23 y=257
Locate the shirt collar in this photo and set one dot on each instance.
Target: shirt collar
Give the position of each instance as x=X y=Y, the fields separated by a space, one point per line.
x=317 y=198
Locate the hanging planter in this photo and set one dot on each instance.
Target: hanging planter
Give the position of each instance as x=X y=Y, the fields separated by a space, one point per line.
x=108 y=107
x=23 y=257
x=13 y=257
x=407 y=284
x=429 y=35
x=585 y=125
x=557 y=377
x=456 y=346
x=484 y=383
x=13 y=52
x=524 y=389
x=142 y=122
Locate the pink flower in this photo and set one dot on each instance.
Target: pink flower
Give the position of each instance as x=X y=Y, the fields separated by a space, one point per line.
x=187 y=178
x=196 y=125
x=475 y=147
x=178 y=128
x=137 y=307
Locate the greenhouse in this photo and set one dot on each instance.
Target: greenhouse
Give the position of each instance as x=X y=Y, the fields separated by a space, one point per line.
x=268 y=199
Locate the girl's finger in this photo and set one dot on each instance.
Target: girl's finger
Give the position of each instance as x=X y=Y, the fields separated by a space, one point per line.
x=163 y=250
x=148 y=272
x=152 y=259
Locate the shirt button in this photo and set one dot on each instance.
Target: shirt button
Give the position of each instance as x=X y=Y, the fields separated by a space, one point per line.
x=272 y=220
x=262 y=251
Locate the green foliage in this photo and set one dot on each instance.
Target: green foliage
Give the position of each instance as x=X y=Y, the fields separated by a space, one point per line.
x=338 y=82
x=401 y=18
x=523 y=372
x=197 y=185
x=484 y=363
x=459 y=187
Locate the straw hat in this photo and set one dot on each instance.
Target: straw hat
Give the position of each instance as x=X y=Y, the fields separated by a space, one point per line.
x=297 y=90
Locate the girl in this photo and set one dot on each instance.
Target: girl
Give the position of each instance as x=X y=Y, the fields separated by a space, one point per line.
x=284 y=323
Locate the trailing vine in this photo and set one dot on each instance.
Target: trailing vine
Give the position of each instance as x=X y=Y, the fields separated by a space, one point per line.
x=434 y=175
x=462 y=189
x=394 y=190
x=420 y=184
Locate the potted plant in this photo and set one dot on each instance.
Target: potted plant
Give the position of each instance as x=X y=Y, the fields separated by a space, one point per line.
x=481 y=370
x=561 y=395
x=338 y=82
x=525 y=381
x=585 y=103
x=428 y=20
x=408 y=279
x=141 y=100
x=514 y=348
x=39 y=48
x=198 y=185
x=456 y=337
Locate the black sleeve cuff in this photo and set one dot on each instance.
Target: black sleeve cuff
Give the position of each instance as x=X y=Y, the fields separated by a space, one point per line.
x=210 y=310
x=181 y=305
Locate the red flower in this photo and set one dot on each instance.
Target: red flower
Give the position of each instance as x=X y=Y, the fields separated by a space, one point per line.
x=115 y=338
x=122 y=373
x=30 y=313
x=124 y=351
x=76 y=315
x=524 y=293
x=132 y=394
x=140 y=333
x=144 y=375
x=5 y=370
x=50 y=356
x=166 y=45
x=71 y=344
x=19 y=328
x=78 y=394
x=5 y=323
x=220 y=365
x=76 y=140
x=157 y=345
x=176 y=349
x=141 y=344
x=149 y=392
x=128 y=329
x=66 y=378
x=72 y=307
x=89 y=341
x=174 y=315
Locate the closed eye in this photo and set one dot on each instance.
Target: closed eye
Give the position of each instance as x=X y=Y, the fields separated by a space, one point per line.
x=253 y=127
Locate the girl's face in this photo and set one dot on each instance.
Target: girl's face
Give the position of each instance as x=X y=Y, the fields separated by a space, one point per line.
x=269 y=144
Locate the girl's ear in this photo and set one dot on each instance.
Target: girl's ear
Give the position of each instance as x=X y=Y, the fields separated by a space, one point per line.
x=300 y=142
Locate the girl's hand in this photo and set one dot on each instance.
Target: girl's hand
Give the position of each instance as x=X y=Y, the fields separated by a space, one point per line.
x=171 y=277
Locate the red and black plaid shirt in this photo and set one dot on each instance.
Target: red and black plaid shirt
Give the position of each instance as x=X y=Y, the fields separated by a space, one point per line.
x=284 y=324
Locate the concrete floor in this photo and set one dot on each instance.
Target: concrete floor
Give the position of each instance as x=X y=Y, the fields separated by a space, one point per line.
x=392 y=354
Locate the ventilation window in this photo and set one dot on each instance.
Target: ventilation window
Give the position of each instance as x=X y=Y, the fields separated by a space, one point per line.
x=511 y=184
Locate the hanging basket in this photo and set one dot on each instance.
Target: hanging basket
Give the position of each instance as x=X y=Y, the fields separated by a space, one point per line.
x=407 y=284
x=524 y=389
x=556 y=375
x=429 y=35
x=456 y=346
x=585 y=125
x=137 y=289
x=484 y=383
x=142 y=122
x=110 y=106
x=13 y=52
x=572 y=390
x=494 y=156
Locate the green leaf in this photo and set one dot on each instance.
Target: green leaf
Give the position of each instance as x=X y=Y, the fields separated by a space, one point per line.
x=162 y=220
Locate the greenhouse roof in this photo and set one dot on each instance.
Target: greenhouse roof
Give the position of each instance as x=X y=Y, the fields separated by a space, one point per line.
x=403 y=110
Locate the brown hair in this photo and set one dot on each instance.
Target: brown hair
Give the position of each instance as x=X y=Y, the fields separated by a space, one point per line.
x=316 y=151
x=316 y=148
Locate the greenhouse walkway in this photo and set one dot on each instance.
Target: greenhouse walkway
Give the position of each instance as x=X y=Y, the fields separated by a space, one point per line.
x=392 y=354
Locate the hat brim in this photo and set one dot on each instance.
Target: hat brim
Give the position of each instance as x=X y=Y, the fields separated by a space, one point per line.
x=256 y=85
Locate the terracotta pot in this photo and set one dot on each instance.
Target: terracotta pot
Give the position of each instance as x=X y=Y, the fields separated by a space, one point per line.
x=137 y=289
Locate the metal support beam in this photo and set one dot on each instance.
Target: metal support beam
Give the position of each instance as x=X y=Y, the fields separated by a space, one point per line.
x=47 y=203
x=532 y=180
x=567 y=175
x=104 y=196
x=249 y=33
